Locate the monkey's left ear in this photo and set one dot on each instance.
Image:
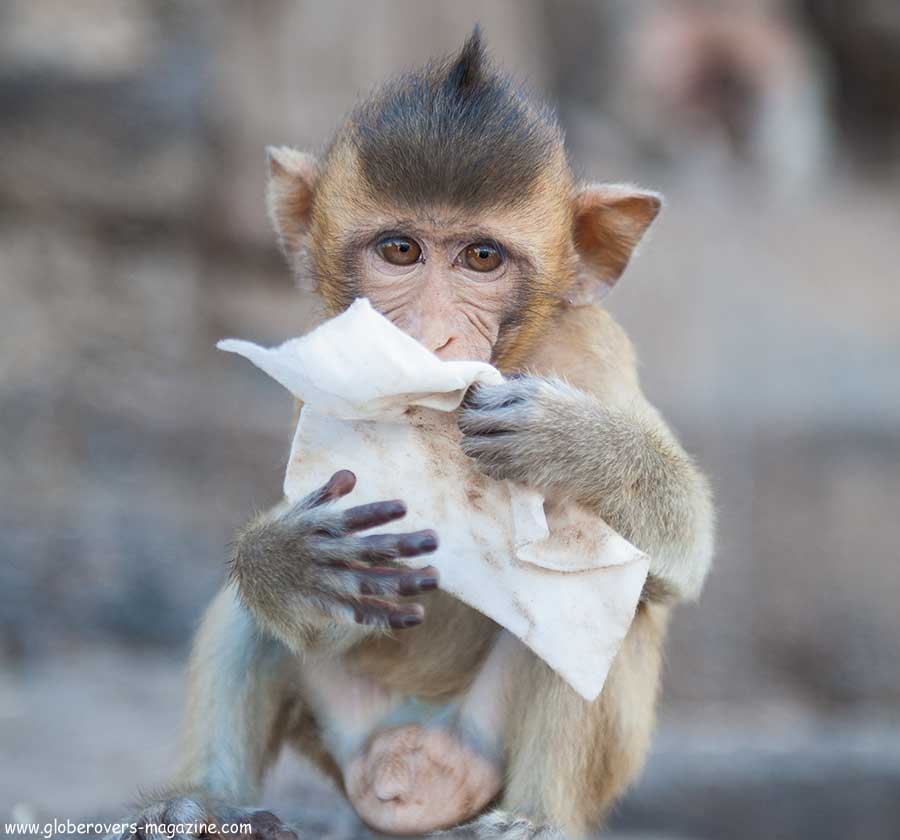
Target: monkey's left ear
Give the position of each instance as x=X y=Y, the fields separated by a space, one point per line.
x=609 y=221
x=292 y=185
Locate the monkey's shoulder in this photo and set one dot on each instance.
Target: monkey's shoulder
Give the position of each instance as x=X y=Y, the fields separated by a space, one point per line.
x=587 y=347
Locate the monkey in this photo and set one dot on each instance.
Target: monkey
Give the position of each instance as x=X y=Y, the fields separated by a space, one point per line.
x=447 y=199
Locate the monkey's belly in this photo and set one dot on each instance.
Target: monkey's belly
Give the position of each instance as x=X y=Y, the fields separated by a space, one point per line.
x=412 y=779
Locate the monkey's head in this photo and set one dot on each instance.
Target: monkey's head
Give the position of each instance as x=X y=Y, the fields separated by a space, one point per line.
x=446 y=199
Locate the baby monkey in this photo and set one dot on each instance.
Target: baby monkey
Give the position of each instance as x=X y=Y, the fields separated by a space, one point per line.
x=447 y=200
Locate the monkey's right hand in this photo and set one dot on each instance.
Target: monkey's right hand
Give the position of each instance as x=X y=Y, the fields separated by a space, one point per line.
x=187 y=818
x=312 y=556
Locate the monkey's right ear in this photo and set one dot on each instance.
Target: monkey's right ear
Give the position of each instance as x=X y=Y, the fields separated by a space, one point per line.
x=289 y=196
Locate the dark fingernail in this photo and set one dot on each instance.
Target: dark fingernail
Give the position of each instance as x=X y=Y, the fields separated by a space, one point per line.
x=429 y=543
x=408 y=585
x=340 y=484
x=404 y=620
x=415 y=583
x=396 y=508
x=265 y=819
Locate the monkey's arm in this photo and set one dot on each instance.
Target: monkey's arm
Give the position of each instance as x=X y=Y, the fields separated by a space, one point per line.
x=308 y=579
x=239 y=686
x=603 y=445
x=239 y=696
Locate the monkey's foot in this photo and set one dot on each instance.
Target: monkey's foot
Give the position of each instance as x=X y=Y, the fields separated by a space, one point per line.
x=499 y=825
x=185 y=818
x=412 y=780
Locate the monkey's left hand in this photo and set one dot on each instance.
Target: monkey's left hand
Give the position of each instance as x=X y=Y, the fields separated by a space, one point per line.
x=528 y=429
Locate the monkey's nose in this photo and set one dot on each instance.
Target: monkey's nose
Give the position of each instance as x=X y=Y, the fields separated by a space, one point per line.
x=444 y=348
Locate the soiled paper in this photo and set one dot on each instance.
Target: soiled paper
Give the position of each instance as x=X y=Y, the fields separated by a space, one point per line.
x=376 y=402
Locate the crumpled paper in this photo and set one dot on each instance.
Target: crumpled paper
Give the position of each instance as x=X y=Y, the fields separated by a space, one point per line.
x=376 y=402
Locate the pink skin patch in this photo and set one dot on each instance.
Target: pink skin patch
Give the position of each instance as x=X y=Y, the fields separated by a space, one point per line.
x=411 y=780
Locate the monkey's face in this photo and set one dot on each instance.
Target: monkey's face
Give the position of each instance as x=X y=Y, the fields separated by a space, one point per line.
x=455 y=281
x=448 y=288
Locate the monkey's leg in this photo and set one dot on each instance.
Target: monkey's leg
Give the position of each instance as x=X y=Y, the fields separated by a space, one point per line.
x=434 y=771
x=239 y=704
x=570 y=760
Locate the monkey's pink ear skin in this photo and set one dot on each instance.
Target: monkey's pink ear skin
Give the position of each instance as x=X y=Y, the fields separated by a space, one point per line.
x=292 y=185
x=285 y=162
x=609 y=221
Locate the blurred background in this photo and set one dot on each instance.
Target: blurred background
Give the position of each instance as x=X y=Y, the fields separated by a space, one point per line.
x=765 y=309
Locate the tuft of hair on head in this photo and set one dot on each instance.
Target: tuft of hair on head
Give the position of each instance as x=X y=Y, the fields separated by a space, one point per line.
x=468 y=66
x=457 y=132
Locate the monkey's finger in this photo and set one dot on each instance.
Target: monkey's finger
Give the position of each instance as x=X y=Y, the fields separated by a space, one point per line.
x=506 y=393
x=264 y=825
x=374 y=611
x=363 y=517
x=476 y=446
x=480 y=395
x=496 y=422
x=494 y=459
x=389 y=581
x=489 y=452
x=340 y=484
x=470 y=396
x=387 y=546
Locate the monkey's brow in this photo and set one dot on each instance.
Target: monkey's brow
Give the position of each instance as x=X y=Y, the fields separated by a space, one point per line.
x=394 y=227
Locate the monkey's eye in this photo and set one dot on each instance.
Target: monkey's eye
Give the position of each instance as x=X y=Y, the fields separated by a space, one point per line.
x=399 y=250
x=482 y=256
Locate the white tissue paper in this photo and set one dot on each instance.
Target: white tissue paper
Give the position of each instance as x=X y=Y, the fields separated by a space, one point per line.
x=376 y=402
